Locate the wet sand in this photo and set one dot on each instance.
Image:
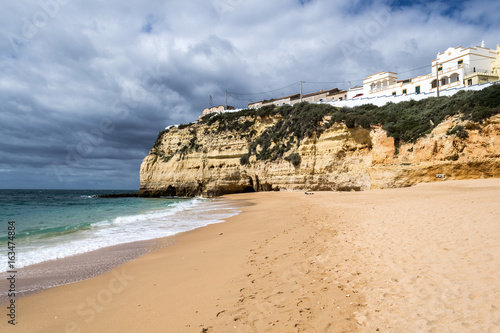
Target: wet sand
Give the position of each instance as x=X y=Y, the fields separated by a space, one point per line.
x=420 y=259
x=35 y=278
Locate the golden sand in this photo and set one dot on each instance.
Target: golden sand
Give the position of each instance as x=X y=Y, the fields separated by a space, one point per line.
x=420 y=259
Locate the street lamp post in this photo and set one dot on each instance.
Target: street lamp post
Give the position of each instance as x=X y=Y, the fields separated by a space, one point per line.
x=437 y=79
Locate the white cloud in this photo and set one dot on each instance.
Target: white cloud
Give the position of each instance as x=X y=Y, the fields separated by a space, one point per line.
x=144 y=65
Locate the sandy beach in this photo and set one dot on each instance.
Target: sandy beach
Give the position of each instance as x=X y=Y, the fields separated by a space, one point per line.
x=419 y=259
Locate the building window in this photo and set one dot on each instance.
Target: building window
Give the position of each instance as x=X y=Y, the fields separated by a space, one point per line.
x=469 y=82
x=393 y=93
x=460 y=62
x=440 y=68
x=417 y=90
x=404 y=91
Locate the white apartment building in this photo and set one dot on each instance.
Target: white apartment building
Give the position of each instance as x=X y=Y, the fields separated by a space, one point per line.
x=448 y=70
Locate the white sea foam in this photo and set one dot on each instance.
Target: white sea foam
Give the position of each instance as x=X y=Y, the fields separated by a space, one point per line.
x=179 y=217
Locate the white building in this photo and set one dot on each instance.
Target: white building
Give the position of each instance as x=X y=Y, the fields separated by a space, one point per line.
x=449 y=68
x=354 y=92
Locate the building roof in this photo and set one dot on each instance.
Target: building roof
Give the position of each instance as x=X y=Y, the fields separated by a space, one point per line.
x=297 y=96
x=329 y=92
x=277 y=99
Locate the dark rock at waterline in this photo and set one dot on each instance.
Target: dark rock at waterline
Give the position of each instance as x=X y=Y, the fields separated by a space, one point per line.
x=119 y=195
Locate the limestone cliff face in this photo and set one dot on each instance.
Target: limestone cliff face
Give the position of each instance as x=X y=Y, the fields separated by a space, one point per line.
x=200 y=160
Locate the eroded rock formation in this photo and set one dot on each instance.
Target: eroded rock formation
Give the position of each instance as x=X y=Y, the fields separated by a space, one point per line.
x=200 y=160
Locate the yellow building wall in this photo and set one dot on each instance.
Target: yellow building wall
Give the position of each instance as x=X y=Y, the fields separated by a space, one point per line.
x=495 y=65
x=480 y=78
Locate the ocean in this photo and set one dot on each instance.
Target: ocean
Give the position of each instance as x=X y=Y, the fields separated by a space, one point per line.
x=54 y=224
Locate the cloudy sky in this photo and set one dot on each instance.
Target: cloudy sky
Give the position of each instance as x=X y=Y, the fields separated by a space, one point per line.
x=85 y=86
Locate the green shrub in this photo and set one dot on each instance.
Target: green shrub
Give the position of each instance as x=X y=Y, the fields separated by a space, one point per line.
x=159 y=138
x=405 y=121
x=245 y=159
x=462 y=133
x=459 y=131
x=350 y=121
x=364 y=121
x=183 y=126
x=266 y=111
x=294 y=158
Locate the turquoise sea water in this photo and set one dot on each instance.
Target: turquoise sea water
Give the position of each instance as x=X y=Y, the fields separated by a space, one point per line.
x=53 y=224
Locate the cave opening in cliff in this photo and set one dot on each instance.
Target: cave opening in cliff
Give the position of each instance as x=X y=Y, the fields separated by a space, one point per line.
x=248 y=189
x=171 y=191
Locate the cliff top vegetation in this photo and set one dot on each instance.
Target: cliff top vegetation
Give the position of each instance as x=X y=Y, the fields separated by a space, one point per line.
x=404 y=121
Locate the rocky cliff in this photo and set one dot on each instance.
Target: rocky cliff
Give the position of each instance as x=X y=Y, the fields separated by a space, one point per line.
x=210 y=159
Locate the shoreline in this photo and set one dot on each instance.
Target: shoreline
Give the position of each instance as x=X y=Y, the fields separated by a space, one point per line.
x=422 y=257
x=79 y=267
x=35 y=278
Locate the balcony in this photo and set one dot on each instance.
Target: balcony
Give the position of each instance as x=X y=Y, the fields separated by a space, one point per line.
x=473 y=71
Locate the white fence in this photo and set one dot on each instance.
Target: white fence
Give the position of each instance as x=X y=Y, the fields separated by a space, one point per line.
x=383 y=100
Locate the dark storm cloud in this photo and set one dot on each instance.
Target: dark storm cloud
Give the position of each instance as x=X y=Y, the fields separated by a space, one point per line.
x=85 y=87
